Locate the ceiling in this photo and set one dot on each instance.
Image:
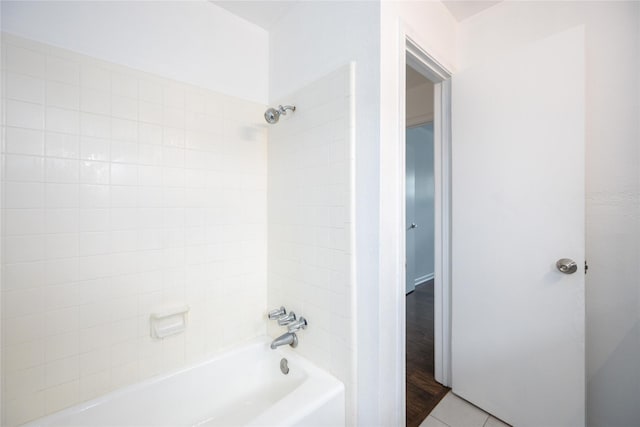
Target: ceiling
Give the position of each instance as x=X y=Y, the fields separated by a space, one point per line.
x=266 y=13
x=464 y=9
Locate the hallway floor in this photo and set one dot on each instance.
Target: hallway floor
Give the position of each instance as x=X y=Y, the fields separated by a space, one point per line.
x=423 y=392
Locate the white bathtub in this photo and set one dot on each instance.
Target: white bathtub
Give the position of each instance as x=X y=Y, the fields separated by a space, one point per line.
x=243 y=387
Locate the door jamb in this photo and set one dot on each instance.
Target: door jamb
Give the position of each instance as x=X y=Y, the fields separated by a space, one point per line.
x=428 y=66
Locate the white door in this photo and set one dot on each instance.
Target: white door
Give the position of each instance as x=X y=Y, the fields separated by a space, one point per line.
x=410 y=193
x=517 y=207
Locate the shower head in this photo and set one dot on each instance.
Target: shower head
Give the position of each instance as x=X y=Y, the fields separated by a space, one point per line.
x=272 y=115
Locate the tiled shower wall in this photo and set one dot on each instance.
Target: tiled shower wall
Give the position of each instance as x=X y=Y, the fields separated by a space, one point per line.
x=124 y=193
x=310 y=227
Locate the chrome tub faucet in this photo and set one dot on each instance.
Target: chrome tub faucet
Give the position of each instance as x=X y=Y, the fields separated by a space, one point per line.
x=293 y=325
x=289 y=338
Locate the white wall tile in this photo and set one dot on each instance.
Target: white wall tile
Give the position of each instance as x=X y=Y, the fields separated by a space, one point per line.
x=150 y=113
x=95 y=101
x=24 y=88
x=173 y=136
x=125 y=219
x=23 y=248
x=61 y=245
x=150 y=154
x=92 y=76
x=24 y=195
x=62 y=196
x=309 y=245
x=24 y=168
x=25 y=61
x=174 y=96
x=62 y=170
x=94 y=219
x=61 y=321
x=95 y=125
x=23 y=275
x=62 y=70
x=94 y=361
x=23 y=221
x=61 y=346
x=150 y=90
x=94 y=196
x=124 y=196
x=62 y=371
x=94 y=385
x=124 y=130
x=62 y=145
x=23 y=355
x=61 y=296
x=61 y=120
x=22 y=383
x=61 y=396
x=124 y=85
x=94 y=172
x=22 y=302
x=95 y=149
x=172 y=157
x=60 y=271
x=24 y=141
x=24 y=114
x=124 y=152
x=23 y=328
x=63 y=95
x=94 y=243
x=61 y=220
x=104 y=224
x=124 y=108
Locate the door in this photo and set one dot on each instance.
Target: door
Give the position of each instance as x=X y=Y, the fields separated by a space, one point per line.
x=517 y=207
x=410 y=191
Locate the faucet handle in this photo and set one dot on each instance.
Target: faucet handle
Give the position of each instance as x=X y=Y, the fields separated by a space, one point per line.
x=278 y=312
x=297 y=325
x=287 y=319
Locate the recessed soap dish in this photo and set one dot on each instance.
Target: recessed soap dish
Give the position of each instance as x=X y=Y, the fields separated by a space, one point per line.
x=168 y=322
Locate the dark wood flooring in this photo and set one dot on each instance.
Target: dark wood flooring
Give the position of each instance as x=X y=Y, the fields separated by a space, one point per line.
x=423 y=392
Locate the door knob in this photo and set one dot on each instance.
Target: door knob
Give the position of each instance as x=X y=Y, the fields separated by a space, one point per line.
x=413 y=225
x=567 y=266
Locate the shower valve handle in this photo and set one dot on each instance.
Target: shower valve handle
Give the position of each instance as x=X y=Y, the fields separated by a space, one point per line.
x=287 y=319
x=277 y=313
x=297 y=325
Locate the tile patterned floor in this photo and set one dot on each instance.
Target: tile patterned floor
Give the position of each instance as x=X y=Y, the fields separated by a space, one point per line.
x=453 y=411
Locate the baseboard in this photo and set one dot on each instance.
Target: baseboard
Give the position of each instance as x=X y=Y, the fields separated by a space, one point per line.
x=422 y=279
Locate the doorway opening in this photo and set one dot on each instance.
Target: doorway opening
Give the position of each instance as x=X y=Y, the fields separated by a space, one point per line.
x=425 y=110
x=423 y=392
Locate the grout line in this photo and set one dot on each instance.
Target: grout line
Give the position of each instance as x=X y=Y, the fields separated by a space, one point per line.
x=438 y=418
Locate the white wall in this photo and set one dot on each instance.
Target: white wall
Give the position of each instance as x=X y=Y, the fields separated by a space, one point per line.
x=432 y=27
x=123 y=193
x=313 y=39
x=612 y=160
x=191 y=41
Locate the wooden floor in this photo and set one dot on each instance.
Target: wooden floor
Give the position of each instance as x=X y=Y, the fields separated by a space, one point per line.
x=423 y=392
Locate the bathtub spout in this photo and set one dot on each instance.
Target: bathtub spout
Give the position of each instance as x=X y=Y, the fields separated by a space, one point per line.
x=284 y=339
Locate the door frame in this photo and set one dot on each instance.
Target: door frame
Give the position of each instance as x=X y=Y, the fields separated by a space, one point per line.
x=427 y=65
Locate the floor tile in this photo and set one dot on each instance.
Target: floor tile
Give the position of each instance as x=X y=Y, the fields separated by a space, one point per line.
x=457 y=412
x=432 y=422
x=494 y=422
